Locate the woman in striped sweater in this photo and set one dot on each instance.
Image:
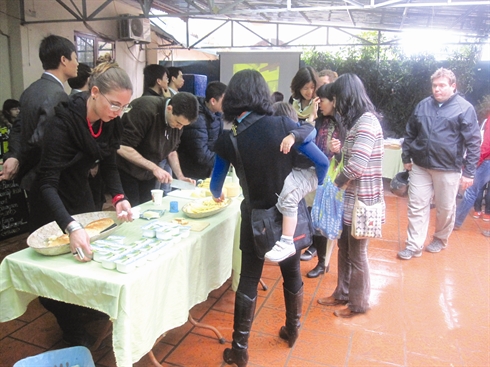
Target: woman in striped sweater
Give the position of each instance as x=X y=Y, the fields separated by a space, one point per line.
x=361 y=176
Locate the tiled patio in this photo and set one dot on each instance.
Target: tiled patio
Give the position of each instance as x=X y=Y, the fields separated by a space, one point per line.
x=429 y=311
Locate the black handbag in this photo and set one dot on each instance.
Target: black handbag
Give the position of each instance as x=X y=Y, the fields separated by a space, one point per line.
x=267 y=223
x=267 y=229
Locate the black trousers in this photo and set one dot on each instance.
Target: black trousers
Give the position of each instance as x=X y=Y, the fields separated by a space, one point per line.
x=71 y=318
x=252 y=270
x=137 y=191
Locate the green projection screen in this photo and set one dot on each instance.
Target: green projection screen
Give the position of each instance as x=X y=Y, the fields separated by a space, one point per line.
x=277 y=68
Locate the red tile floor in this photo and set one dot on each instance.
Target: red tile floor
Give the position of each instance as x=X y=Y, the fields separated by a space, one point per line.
x=429 y=311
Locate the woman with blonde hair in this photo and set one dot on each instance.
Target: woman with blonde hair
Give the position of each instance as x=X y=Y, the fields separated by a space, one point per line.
x=84 y=132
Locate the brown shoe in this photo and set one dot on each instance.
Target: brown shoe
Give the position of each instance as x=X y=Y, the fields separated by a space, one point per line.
x=346 y=313
x=331 y=301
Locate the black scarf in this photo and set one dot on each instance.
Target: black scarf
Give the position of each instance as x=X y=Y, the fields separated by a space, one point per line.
x=75 y=113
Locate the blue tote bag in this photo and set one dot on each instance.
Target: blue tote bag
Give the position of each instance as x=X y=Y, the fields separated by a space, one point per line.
x=328 y=207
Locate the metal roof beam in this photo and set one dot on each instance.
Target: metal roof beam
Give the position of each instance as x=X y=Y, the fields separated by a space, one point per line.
x=355 y=3
x=99 y=9
x=231 y=6
x=207 y=35
x=248 y=29
x=146 y=6
x=351 y=17
x=304 y=34
x=69 y=10
x=193 y=3
x=358 y=6
x=463 y=17
x=387 y=3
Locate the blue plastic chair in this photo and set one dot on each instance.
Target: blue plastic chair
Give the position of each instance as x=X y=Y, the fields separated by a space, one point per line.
x=67 y=357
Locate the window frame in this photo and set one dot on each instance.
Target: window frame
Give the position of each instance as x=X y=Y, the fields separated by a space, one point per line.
x=96 y=51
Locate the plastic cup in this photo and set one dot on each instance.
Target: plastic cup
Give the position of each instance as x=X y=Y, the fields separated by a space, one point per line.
x=157 y=196
x=174 y=207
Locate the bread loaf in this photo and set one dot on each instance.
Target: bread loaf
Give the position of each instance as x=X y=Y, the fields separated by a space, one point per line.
x=58 y=241
x=97 y=226
x=93 y=228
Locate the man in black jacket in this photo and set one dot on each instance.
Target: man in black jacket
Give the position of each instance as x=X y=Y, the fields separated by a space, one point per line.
x=152 y=131
x=155 y=80
x=59 y=58
x=441 y=149
x=196 y=144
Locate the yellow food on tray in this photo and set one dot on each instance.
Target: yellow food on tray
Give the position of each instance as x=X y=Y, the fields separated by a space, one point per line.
x=204 y=206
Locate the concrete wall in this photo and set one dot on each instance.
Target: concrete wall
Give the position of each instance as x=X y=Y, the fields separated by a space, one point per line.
x=19 y=59
x=19 y=44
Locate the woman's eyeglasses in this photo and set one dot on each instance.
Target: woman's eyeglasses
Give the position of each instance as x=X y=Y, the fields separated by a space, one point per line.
x=114 y=107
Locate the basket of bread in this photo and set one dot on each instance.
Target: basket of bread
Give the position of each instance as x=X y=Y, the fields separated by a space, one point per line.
x=204 y=207
x=50 y=240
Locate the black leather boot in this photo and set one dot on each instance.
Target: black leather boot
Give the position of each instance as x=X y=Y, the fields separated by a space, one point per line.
x=294 y=305
x=320 y=243
x=244 y=315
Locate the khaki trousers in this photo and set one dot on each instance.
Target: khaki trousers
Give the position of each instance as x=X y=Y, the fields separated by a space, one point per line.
x=424 y=184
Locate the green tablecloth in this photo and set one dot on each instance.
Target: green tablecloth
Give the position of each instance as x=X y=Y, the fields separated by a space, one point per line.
x=143 y=304
x=392 y=162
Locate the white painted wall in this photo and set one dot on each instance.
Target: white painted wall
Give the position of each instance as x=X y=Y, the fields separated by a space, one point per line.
x=27 y=39
x=19 y=44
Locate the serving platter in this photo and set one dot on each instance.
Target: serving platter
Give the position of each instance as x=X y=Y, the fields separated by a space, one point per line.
x=203 y=208
x=38 y=239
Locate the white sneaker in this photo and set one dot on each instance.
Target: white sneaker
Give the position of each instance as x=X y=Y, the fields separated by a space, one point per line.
x=280 y=251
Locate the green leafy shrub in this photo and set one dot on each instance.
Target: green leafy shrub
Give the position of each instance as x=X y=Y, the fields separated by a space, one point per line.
x=395 y=83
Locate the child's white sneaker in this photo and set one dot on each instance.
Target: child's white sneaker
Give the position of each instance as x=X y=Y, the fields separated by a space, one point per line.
x=281 y=251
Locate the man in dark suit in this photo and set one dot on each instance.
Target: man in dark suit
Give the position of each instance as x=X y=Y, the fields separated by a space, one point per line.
x=59 y=60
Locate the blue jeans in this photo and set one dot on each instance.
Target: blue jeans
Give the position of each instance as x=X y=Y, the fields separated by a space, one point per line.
x=482 y=176
x=479 y=200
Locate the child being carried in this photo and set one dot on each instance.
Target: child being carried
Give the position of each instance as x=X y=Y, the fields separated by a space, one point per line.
x=303 y=179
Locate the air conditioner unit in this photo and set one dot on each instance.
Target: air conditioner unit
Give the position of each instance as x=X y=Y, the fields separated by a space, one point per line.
x=136 y=29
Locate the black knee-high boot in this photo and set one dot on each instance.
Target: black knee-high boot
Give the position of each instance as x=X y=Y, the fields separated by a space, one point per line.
x=294 y=305
x=244 y=315
x=320 y=243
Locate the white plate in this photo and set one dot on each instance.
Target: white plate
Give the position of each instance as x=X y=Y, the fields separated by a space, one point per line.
x=187 y=208
x=185 y=194
x=38 y=239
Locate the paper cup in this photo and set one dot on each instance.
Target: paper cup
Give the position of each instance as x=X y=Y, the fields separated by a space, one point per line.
x=157 y=196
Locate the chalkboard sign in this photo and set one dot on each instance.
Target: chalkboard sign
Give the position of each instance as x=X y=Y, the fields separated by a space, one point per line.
x=13 y=210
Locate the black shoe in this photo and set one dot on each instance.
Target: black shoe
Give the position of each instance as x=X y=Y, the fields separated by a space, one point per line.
x=308 y=254
x=238 y=357
x=318 y=270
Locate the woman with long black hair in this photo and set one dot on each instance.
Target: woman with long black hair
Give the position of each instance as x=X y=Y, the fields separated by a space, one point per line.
x=258 y=136
x=361 y=177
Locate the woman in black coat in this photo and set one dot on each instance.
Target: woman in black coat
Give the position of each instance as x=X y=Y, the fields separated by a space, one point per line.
x=84 y=132
x=259 y=134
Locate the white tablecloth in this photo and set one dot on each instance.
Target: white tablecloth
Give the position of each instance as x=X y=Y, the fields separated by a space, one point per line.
x=143 y=304
x=392 y=162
